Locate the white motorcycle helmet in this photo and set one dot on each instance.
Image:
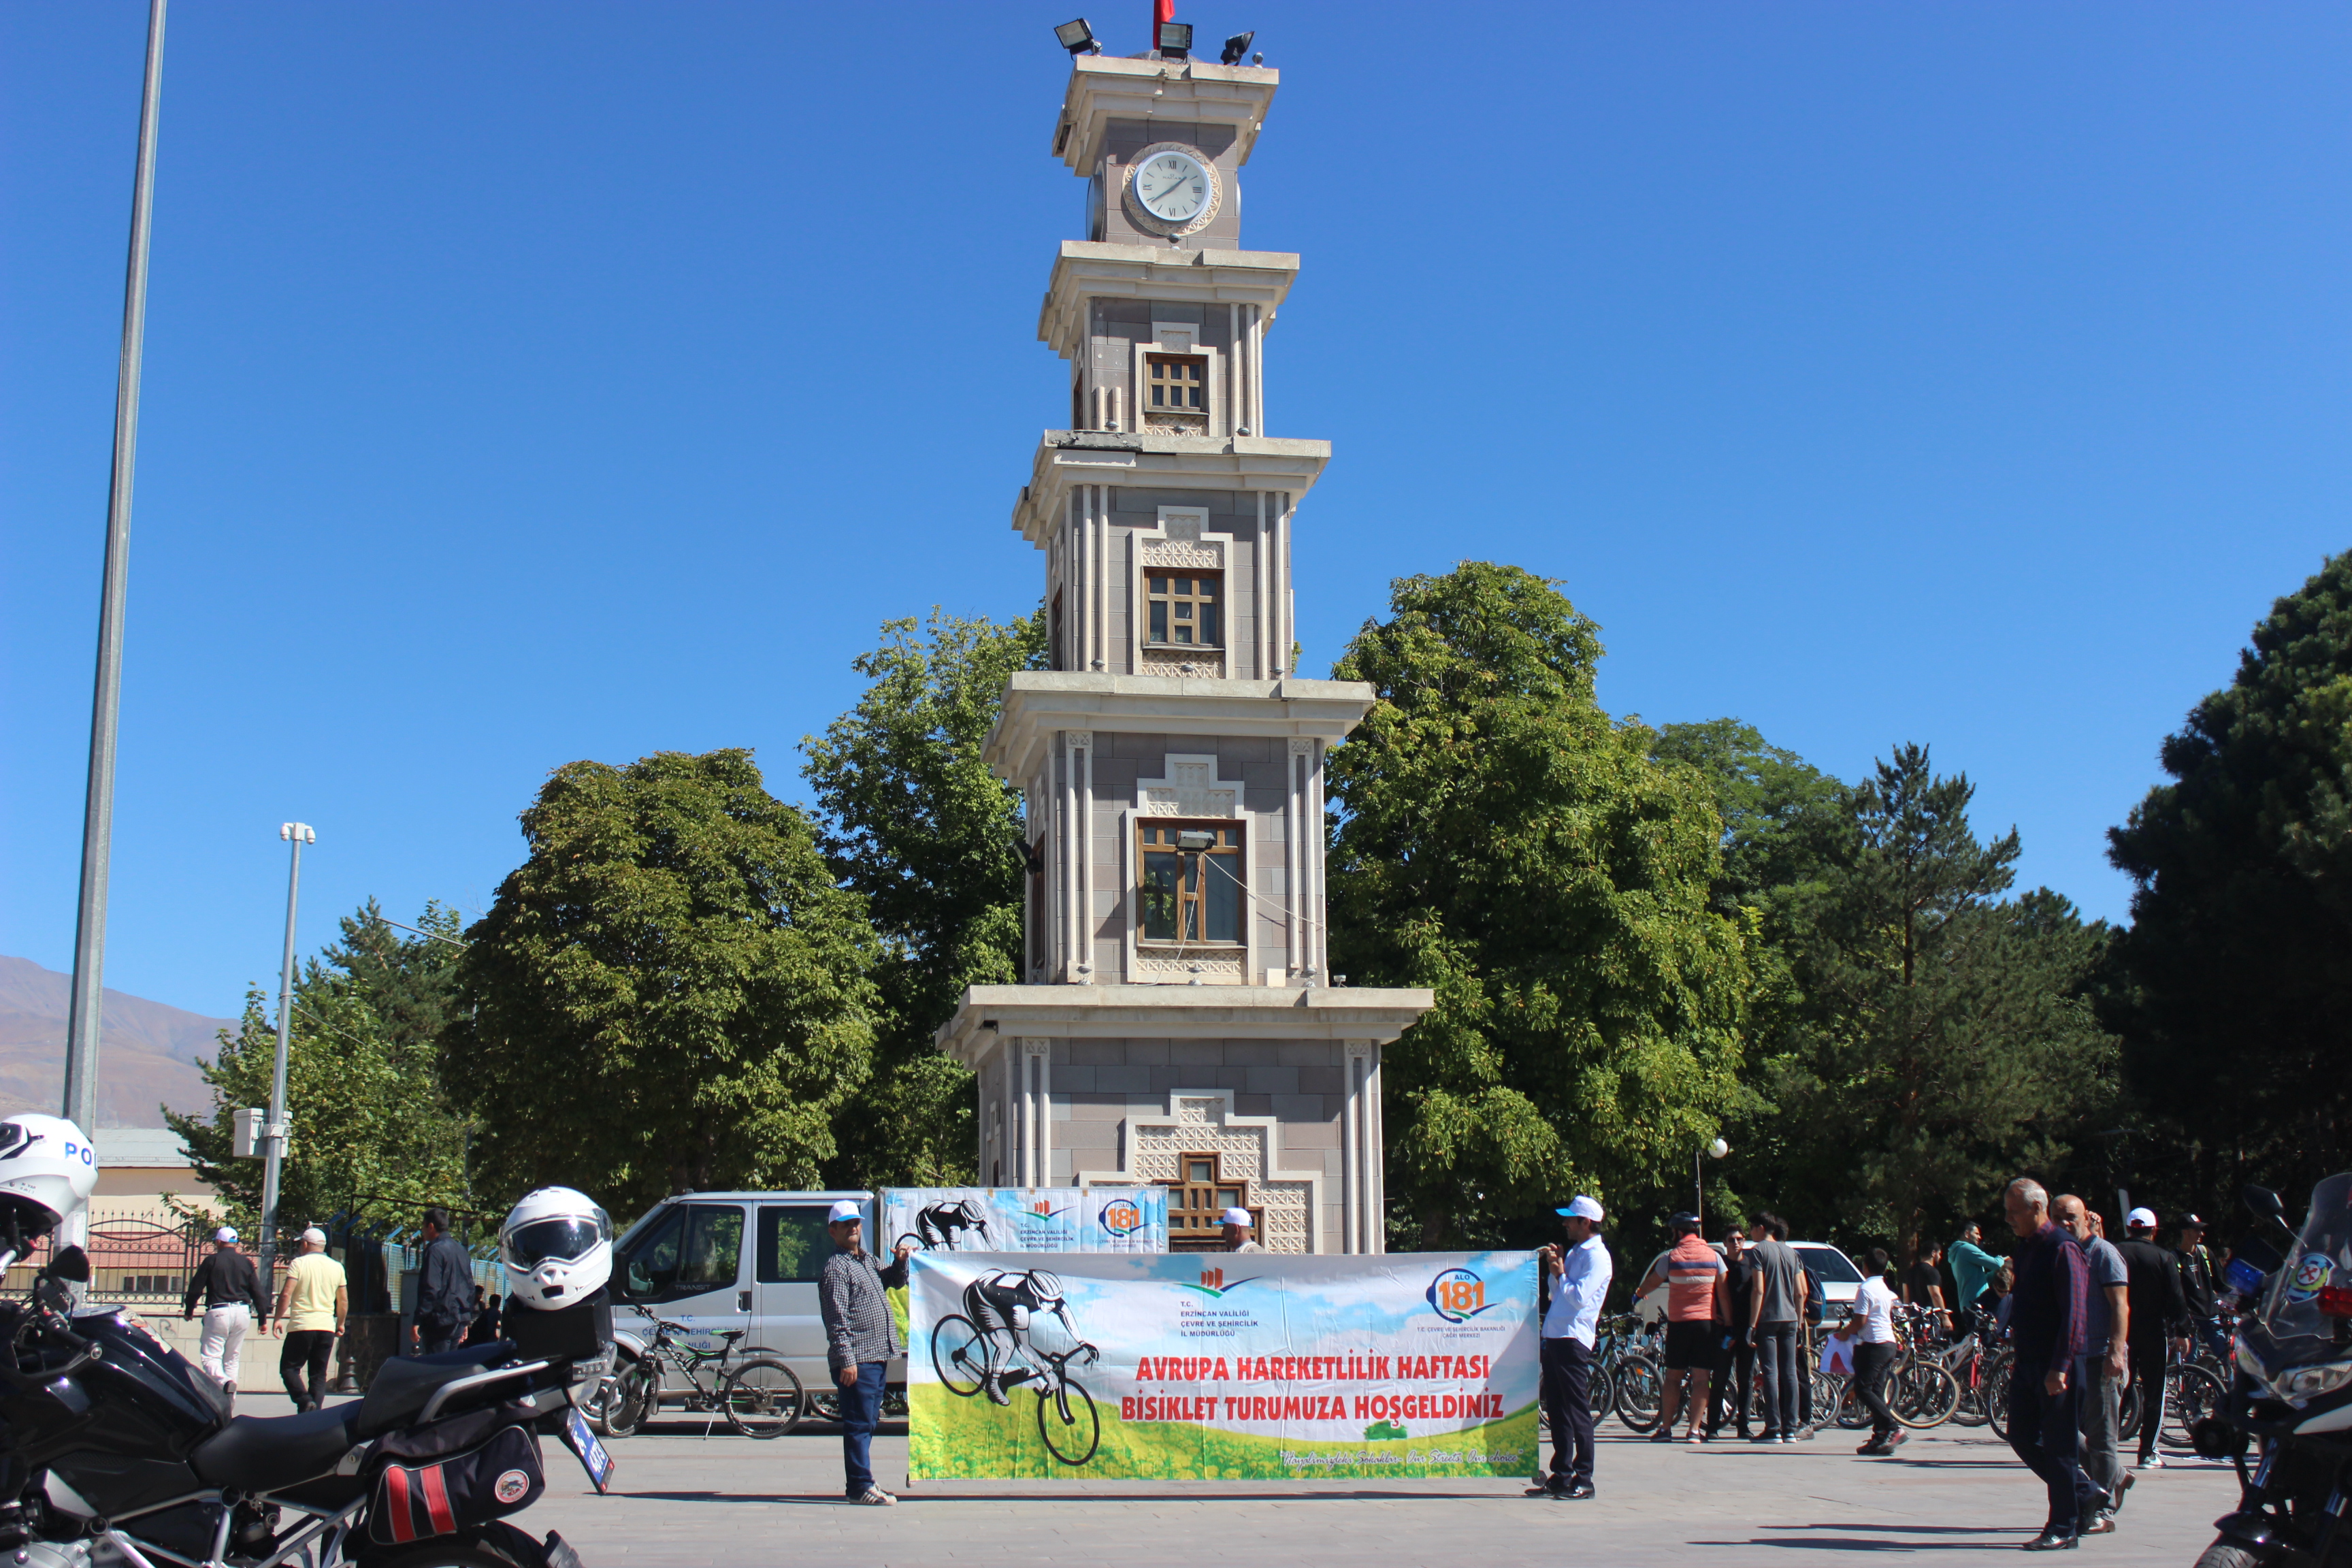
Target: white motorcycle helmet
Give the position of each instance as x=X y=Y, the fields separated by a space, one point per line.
x=47 y=1170
x=557 y=1245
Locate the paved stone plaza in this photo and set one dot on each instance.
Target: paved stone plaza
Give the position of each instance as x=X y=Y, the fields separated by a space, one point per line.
x=683 y=1499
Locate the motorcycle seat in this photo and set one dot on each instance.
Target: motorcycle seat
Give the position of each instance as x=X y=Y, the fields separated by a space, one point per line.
x=263 y=1453
x=401 y=1387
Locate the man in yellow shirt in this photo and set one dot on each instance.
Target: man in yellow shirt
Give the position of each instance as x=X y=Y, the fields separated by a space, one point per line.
x=312 y=1309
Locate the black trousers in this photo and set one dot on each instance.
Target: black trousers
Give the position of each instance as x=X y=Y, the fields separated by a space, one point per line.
x=2148 y=1364
x=306 y=1350
x=1735 y=1371
x=1872 y=1363
x=2046 y=1431
x=1568 y=1409
x=1775 y=1364
x=432 y=1339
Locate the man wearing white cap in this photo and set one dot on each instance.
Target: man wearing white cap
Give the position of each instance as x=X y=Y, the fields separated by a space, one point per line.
x=1237 y=1225
x=2159 y=1311
x=860 y=1338
x=311 y=1310
x=1580 y=1274
x=231 y=1294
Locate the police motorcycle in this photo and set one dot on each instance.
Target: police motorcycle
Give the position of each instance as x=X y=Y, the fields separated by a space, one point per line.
x=2287 y=1424
x=117 y=1453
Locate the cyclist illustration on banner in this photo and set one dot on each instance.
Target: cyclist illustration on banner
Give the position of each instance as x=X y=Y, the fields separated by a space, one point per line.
x=989 y=1349
x=941 y=1228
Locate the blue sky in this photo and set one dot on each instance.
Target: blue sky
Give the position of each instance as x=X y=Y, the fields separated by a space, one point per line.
x=528 y=382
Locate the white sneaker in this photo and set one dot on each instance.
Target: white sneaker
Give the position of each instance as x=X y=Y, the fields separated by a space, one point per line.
x=875 y=1497
x=2153 y=1462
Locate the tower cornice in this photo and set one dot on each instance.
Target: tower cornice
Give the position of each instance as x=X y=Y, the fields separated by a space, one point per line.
x=1040 y=704
x=1157 y=460
x=991 y=1013
x=1089 y=269
x=1104 y=88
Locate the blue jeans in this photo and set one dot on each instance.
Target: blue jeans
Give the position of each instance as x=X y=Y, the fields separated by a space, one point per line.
x=861 y=1412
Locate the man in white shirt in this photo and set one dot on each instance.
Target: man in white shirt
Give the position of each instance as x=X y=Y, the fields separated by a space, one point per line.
x=1579 y=1274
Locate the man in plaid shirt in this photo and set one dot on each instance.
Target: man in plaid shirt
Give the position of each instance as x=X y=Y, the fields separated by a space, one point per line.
x=2048 y=1314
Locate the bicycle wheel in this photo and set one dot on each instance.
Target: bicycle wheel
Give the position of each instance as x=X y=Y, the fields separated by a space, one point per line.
x=1996 y=1400
x=1929 y=1396
x=763 y=1398
x=1600 y=1391
x=1641 y=1393
x=1968 y=1410
x=2127 y=1411
x=1843 y=1395
x=916 y=1242
x=1067 y=1422
x=637 y=1390
x=2191 y=1394
x=960 y=1354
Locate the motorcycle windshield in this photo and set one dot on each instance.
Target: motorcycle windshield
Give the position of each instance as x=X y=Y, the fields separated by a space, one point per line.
x=2322 y=1256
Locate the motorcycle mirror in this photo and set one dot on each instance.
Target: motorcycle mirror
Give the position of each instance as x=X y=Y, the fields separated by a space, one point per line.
x=2263 y=1201
x=70 y=1263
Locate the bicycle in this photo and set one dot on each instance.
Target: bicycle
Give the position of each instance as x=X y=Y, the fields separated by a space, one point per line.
x=965 y=1358
x=2191 y=1392
x=760 y=1396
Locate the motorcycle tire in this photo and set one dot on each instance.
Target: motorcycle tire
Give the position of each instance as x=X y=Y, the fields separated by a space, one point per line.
x=2228 y=1554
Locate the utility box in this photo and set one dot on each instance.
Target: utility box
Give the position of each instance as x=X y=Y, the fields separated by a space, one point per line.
x=249 y=1124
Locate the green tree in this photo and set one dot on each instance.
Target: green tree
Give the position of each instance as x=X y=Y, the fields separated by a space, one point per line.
x=1503 y=841
x=915 y=823
x=671 y=992
x=2233 y=985
x=1782 y=816
x=1944 y=1037
x=372 y=1131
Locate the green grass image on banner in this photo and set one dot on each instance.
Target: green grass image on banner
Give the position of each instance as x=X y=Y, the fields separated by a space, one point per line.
x=955 y=1439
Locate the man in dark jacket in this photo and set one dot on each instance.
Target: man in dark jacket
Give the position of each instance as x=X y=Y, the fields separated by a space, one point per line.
x=233 y=1305
x=2159 y=1317
x=2049 y=1311
x=860 y=1338
x=445 y=1288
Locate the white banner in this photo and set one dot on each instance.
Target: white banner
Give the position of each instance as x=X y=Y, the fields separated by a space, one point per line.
x=1221 y=1365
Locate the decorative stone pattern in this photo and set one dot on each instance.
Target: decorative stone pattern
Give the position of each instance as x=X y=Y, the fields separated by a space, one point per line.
x=1201 y=664
x=1173 y=554
x=1190 y=789
x=1199 y=1127
x=1210 y=966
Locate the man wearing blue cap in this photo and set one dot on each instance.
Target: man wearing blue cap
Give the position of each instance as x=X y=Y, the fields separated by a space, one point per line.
x=1580 y=1274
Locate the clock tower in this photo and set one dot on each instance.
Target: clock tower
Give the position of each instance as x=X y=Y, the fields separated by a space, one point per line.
x=1177 y=1022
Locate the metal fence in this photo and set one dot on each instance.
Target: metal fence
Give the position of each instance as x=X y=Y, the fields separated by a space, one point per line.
x=137 y=1260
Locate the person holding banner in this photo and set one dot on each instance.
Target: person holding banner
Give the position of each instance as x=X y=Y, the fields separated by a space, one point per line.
x=1236 y=1224
x=1581 y=1273
x=860 y=1338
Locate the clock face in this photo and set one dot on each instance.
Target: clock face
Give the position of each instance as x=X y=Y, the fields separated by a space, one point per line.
x=1172 y=188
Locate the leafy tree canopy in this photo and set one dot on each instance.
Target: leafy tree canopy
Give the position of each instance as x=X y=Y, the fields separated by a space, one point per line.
x=2233 y=986
x=373 y=1132
x=1506 y=844
x=1941 y=1037
x=915 y=823
x=670 y=992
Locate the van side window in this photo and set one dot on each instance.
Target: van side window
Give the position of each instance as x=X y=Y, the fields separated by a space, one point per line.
x=692 y=1248
x=792 y=1242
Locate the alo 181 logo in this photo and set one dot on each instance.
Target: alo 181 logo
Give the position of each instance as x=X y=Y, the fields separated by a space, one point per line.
x=1457 y=1296
x=1123 y=1218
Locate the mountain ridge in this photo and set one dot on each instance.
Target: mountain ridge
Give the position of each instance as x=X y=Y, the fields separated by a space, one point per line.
x=147 y=1050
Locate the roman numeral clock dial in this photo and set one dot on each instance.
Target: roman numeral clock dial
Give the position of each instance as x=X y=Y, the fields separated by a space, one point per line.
x=1172 y=189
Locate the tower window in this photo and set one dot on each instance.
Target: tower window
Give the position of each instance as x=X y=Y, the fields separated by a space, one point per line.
x=1198 y=1200
x=1191 y=881
x=1178 y=383
x=1185 y=610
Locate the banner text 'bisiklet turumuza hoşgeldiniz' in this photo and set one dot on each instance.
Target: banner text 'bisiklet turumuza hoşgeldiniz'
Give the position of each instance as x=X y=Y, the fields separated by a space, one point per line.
x=1221 y=1365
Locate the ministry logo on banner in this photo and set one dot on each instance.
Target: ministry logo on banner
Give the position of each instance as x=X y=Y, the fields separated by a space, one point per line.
x=1182 y=1366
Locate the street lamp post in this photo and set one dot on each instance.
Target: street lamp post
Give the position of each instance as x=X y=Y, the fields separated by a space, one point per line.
x=273 y=1132
x=88 y=993
x=1714 y=1150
